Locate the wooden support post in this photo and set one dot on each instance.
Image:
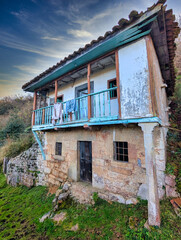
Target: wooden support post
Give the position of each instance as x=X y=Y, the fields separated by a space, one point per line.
x=89 y=90
x=34 y=108
x=56 y=89
x=43 y=116
x=118 y=82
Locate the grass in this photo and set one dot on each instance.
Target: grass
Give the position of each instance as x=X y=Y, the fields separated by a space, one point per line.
x=21 y=208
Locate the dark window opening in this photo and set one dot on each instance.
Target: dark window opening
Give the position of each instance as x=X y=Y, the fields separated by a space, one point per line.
x=112 y=84
x=60 y=99
x=121 y=151
x=58 y=148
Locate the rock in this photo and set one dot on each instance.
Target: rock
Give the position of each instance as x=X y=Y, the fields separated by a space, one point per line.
x=75 y=228
x=131 y=201
x=142 y=192
x=58 y=192
x=54 y=201
x=170 y=180
x=55 y=208
x=65 y=187
x=171 y=192
x=116 y=198
x=45 y=216
x=63 y=196
x=60 y=217
x=176 y=202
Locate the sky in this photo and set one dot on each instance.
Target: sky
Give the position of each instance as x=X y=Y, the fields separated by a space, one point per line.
x=36 y=34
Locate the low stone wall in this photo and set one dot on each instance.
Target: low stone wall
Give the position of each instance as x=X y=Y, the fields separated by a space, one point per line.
x=26 y=169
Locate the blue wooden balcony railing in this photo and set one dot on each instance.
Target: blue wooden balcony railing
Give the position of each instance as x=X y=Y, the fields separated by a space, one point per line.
x=102 y=108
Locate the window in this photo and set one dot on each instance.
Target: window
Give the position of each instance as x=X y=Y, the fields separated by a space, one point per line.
x=121 y=151
x=111 y=84
x=58 y=148
x=60 y=98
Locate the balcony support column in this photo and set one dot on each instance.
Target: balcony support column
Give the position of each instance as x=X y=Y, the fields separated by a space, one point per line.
x=151 y=177
x=118 y=82
x=34 y=108
x=56 y=90
x=89 y=90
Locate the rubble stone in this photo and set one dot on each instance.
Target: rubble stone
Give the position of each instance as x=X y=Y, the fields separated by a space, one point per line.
x=63 y=196
x=170 y=180
x=131 y=201
x=171 y=191
x=45 y=216
x=58 y=192
x=142 y=192
x=60 y=217
x=75 y=228
x=26 y=169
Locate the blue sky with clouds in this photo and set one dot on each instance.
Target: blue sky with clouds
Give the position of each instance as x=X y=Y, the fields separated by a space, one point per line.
x=36 y=34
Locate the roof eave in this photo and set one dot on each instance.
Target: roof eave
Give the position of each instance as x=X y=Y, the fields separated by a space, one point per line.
x=128 y=35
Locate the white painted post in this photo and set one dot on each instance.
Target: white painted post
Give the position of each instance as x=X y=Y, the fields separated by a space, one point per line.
x=153 y=199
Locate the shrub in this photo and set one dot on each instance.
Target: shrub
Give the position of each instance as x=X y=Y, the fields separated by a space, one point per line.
x=14 y=127
x=14 y=148
x=5 y=105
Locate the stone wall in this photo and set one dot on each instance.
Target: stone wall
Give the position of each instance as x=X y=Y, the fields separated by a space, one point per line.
x=125 y=180
x=26 y=169
x=122 y=178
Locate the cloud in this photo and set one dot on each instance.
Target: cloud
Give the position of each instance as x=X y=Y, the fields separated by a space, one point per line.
x=79 y=33
x=53 y=38
x=21 y=15
x=27 y=68
x=16 y=42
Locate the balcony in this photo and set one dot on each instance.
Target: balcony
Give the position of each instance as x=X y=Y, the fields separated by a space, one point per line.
x=103 y=108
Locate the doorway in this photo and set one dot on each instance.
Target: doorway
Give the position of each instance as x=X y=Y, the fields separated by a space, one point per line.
x=85 y=158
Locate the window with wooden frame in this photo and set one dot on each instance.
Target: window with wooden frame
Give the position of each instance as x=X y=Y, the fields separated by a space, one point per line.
x=121 y=151
x=111 y=84
x=58 y=148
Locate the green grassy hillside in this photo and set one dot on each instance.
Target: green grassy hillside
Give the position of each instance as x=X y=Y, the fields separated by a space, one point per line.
x=21 y=208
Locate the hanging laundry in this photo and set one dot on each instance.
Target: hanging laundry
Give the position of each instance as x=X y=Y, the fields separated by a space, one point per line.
x=57 y=113
x=71 y=106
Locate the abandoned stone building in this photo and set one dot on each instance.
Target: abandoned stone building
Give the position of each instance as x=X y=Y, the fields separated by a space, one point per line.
x=103 y=110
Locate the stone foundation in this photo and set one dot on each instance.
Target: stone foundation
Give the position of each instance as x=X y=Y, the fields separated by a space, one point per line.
x=123 y=178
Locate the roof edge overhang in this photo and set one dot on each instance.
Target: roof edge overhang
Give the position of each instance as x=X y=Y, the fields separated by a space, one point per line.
x=131 y=33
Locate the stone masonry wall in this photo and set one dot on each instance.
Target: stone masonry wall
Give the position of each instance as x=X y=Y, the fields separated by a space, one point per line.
x=122 y=178
x=27 y=168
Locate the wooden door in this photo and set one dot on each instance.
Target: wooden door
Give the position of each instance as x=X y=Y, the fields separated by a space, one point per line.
x=86 y=161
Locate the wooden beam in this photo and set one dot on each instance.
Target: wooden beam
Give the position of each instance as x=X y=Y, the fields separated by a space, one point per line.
x=34 y=108
x=153 y=105
x=43 y=116
x=75 y=70
x=56 y=89
x=100 y=65
x=118 y=82
x=89 y=90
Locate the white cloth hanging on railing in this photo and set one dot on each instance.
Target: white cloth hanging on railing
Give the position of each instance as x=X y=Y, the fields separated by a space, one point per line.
x=57 y=113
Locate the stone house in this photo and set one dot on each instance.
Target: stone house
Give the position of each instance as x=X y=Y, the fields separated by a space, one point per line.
x=112 y=127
